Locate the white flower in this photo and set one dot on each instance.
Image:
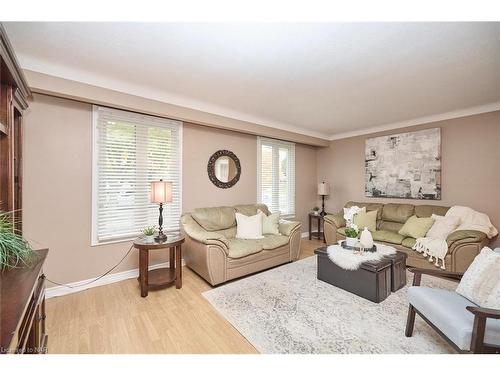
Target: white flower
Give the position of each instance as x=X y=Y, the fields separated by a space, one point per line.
x=355 y=227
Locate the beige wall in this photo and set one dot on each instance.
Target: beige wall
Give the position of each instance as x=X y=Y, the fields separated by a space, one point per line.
x=470 y=166
x=57 y=184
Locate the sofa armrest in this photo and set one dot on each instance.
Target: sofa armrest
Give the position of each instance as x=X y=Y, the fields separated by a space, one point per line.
x=286 y=227
x=336 y=219
x=197 y=233
x=465 y=236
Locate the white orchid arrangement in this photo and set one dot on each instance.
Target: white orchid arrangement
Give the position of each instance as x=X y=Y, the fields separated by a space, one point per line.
x=352 y=229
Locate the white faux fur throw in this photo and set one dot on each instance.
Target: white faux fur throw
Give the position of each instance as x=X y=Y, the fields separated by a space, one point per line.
x=437 y=248
x=350 y=260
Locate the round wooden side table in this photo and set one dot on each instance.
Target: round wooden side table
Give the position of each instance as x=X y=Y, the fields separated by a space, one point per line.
x=160 y=277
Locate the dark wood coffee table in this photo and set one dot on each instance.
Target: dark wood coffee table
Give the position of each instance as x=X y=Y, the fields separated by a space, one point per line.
x=373 y=280
x=160 y=277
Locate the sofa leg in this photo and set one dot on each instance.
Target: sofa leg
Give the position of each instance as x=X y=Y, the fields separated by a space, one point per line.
x=410 y=322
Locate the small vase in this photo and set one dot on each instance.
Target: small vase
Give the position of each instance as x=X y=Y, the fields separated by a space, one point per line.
x=149 y=239
x=366 y=239
x=351 y=241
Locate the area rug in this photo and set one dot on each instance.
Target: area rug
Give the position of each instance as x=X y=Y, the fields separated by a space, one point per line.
x=288 y=310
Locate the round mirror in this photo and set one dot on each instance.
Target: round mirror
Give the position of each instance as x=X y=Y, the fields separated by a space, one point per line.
x=224 y=169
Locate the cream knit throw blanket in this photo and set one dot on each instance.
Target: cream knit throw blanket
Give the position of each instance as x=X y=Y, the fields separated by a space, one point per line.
x=437 y=248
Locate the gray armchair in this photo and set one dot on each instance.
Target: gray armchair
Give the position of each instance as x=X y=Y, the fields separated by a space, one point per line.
x=467 y=327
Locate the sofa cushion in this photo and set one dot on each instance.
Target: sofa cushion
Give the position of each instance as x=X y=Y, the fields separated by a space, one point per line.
x=251 y=209
x=366 y=219
x=215 y=218
x=240 y=248
x=426 y=210
x=446 y=310
x=388 y=236
x=416 y=227
x=389 y=225
x=369 y=207
x=273 y=241
x=409 y=242
x=398 y=213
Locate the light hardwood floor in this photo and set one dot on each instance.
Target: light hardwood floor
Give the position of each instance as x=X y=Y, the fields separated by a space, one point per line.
x=115 y=319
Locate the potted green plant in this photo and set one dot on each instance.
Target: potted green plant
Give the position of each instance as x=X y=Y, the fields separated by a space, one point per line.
x=149 y=234
x=351 y=235
x=316 y=210
x=15 y=251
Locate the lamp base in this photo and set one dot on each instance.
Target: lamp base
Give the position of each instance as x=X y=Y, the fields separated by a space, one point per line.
x=161 y=237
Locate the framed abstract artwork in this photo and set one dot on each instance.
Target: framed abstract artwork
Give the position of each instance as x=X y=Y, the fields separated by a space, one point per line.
x=405 y=165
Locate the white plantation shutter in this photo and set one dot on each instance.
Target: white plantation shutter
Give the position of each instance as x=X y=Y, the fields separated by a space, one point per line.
x=130 y=151
x=276 y=175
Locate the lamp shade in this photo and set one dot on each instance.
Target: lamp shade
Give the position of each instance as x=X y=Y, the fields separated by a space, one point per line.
x=323 y=188
x=161 y=191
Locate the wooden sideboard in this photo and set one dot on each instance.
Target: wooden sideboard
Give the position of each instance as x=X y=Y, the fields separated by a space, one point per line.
x=22 y=309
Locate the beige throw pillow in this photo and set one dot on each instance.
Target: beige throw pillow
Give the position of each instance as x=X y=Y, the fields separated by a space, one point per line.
x=271 y=223
x=442 y=226
x=481 y=282
x=248 y=227
x=366 y=219
x=416 y=227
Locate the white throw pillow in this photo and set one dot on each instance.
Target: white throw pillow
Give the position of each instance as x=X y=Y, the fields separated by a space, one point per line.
x=248 y=227
x=481 y=282
x=442 y=226
x=271 y=223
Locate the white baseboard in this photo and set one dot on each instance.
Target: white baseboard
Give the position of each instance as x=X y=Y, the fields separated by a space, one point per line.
x=304 y=235
x=78 y=286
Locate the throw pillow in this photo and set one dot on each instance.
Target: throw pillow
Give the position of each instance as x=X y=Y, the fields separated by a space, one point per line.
x=442 y=226
x=248 y=227
x=416 y=227
x=271 y=223
x=366 y=219
x=481 y=282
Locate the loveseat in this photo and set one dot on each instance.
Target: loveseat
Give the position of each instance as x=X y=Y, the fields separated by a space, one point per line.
x=213 y=252
x=463 y=245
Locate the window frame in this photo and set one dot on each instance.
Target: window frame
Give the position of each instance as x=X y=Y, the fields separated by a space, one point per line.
x=94 y=241
x=275 y=144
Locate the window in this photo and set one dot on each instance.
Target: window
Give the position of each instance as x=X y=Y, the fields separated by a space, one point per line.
x=129 y=151
x=276 y=175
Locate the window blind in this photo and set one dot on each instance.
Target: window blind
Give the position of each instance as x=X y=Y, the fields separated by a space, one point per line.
x=276 y=175
x=130 y=151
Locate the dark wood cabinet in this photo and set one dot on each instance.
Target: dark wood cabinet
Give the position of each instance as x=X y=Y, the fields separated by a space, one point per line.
x=22 y=290
x=22 y=314
x=14 y=92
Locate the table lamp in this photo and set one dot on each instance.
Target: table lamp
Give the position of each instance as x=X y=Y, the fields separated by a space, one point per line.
x=323 y=189
x=161 y=192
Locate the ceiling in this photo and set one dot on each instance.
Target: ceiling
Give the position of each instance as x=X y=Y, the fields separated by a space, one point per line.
x=320 y=79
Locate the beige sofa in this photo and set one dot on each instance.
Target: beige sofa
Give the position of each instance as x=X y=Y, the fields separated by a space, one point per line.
x=213 y=252
x=463 y=245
